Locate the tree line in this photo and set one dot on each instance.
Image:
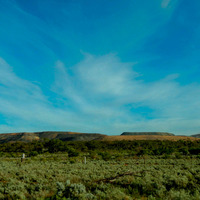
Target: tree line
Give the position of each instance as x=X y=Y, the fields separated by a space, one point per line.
x=73 y=148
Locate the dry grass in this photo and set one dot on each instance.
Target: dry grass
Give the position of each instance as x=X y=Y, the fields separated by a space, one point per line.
x=73 y=133
x=148 y=137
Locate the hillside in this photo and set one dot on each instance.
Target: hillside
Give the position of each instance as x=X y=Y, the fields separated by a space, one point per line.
x=75 y=136
x=148 y=133
x=64 y=136
x=147 y=137
x=196 y=135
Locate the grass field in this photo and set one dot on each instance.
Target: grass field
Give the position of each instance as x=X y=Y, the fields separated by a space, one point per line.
x=55 y=176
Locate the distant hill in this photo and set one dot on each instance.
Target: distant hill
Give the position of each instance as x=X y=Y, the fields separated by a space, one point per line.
x=65 y=136
x=147 y=137
x=148 y=133
x=76 y=136
x=196 y=135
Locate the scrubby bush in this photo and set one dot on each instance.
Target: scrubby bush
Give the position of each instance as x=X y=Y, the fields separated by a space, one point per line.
x=72 y=152
x=33 y=153
x=105 y=155
x=72 y=192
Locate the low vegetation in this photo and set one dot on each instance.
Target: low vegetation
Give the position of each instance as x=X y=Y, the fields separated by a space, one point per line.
x=55 y=170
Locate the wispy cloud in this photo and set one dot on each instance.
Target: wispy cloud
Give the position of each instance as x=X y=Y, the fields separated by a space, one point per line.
x=99 y=94
x=25 y=107
x=165 y=3
x=104 y=86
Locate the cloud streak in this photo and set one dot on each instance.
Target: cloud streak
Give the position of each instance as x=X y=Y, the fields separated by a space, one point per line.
x=165 y=3
x=25 y=106
x=105 y=83
x=99 y=94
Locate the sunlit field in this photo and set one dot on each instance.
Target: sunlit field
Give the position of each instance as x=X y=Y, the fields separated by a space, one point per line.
x=95 y=174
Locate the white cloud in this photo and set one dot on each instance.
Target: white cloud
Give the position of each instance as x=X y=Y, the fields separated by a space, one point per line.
x=24 y=106
x=99 y=94
x=103 y=86
x=165 y=3
x=105 y=75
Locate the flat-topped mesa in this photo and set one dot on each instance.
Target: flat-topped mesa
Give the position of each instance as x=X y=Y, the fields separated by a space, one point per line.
x=148 y=133
x=62 y=135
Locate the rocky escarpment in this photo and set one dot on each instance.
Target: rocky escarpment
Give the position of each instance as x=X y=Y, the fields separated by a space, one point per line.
x=65 y=136
x=148 y=133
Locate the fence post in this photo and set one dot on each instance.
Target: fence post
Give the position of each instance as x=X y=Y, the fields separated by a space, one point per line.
x=23 y=157
x=85 y=160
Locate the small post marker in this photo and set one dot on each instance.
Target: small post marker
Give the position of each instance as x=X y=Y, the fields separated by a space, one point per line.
x=85 y=160
x=23 y=157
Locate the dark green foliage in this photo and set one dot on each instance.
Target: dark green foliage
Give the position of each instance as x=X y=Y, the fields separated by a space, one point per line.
x=72 y=152
x=194 y=150
x=132 y=148
x=105 y=155
x=33 y=153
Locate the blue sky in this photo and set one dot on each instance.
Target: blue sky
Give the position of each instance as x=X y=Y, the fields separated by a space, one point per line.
x=100 y=66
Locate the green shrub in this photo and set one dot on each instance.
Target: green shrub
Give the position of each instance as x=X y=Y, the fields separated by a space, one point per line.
x=72 y=191
x=72 y=152
x=33 y=153
x=105 y=156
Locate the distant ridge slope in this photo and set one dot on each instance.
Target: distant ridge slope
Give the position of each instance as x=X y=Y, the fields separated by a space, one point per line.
x=148 y=133
x=65 y=136
x=196 y=135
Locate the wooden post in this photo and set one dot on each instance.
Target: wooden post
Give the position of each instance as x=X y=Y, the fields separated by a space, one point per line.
x=85 y=160
x=23 y=157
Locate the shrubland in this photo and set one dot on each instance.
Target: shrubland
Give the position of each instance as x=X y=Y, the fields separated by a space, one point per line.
x=137 y=147
x=55 y=170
